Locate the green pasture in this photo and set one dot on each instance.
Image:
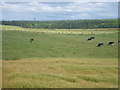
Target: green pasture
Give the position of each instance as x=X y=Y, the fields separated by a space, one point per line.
x=16 y=45
x=59 y=60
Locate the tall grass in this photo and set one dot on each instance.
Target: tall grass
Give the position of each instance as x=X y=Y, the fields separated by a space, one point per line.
x=60 y=73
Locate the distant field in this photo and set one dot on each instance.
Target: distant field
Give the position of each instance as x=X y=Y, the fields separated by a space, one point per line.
x=59 y=58
x=63 y=31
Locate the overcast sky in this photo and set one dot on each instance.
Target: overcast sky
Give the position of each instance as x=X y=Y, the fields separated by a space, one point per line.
x=59 y=10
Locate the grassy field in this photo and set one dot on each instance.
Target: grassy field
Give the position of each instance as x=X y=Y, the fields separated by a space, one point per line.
x=59 y=59
x=62 y=31
x=16 y=45
x=60 y=73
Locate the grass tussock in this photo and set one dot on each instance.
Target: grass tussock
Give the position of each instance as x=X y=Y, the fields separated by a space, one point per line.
x=100 y=79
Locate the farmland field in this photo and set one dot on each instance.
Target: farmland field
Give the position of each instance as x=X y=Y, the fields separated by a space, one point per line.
x=59 y=58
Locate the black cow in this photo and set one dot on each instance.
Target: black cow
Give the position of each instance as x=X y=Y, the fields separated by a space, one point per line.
x=118 y=42
x=89 y=39
x=111 y=43
x=92 y=37
x=100 y=44
x=31 y=40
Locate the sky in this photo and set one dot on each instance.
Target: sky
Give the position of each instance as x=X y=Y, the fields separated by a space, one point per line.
x=59 y=10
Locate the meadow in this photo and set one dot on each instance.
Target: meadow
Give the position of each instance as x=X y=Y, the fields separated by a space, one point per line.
x=59 y=58
x=60 y=73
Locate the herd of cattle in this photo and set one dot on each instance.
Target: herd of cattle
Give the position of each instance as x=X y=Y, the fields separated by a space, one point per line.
x=101 y=44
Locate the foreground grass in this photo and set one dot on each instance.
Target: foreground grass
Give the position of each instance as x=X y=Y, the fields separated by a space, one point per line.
x=60 y=73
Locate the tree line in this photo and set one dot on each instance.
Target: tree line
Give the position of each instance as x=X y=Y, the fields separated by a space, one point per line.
x=66 y=24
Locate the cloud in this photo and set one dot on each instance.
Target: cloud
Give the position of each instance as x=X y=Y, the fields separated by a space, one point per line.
x=60 y=10
x=45 y=7
x=86 y=7
x=32 y=6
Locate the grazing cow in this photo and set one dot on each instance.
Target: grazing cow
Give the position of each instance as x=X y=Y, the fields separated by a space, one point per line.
x=118 y=42
x=92 y=37
x=89 y=39
x=31 y=40
x=111 y=43
x=100 y=44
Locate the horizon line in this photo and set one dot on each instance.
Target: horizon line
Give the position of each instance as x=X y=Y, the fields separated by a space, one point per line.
x=59 y=20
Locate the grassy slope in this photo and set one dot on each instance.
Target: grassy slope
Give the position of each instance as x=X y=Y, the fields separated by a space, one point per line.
x=59 y=60
x=16 y=45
